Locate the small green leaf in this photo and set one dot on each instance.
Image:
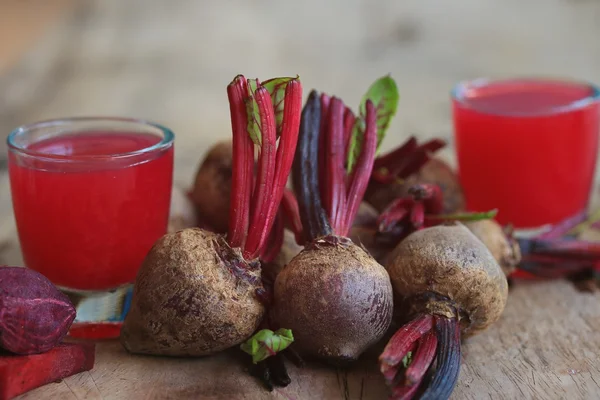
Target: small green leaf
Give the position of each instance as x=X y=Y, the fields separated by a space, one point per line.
x=266 y=343
x=468 y=216
x=385 y=97
x=253 y=114
x=356 y=141
x=276 y=88
x=407 y=359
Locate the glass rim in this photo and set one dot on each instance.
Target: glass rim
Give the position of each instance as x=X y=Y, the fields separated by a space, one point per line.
x=458 y=94
x=166 y=141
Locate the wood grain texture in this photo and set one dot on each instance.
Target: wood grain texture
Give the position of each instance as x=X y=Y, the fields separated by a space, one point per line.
x=545 y=346
x=170 y=62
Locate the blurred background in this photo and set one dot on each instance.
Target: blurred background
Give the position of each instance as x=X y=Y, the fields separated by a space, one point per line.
x=170 y=61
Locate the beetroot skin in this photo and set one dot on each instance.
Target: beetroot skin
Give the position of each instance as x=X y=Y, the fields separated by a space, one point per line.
x=34 y=315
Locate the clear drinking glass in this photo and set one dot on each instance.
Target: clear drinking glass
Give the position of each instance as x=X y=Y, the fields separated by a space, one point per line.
x=527 y=147
x=90 y=198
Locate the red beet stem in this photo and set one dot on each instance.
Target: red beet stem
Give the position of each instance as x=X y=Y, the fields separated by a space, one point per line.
x=265 y=174
x=324 y=100
x=291 y=212
x=393 y=214
x=559 y=230
x=364 y=167
x=422 y=359
x=562 y=248
x=242 y=165
x=335 y=170
x=349 y=120
x=405 y=160
x=419 y=158
x=275 y=244
x=431 y=195
x=274 y=165
x=398 y=155
x=417 y=215
x=402 y=341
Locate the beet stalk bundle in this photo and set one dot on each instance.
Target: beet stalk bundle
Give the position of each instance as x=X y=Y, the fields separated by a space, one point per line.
x=333 y=295
x=198 y=292
x=410 y=164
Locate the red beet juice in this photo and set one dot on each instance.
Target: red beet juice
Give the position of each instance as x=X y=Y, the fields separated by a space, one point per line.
x=527 y=147
x=88 y=207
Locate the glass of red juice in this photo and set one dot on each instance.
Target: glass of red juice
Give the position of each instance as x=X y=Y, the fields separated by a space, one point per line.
x=90 y=198
x=527 y=147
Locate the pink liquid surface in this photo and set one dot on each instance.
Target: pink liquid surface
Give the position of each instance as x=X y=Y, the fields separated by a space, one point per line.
x=89 y=225
x=521 y=151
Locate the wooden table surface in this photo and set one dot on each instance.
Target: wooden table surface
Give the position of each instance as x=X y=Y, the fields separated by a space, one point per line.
x=123 y=58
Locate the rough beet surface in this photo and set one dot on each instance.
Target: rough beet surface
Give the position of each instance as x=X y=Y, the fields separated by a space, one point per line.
x=212 y=187
x=193 y=296
x=336 y=299
x=505 y=250
x=34 y=315
x=447 y=267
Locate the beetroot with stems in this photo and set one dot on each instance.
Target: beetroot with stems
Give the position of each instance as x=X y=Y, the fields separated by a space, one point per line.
x=450 y=286
x=198 y=292
x=410 y=164
x=34 y=315
x=333 y=295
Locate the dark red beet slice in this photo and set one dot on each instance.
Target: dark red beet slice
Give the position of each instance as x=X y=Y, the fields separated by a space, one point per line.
x=20 y=374
x=34 y=315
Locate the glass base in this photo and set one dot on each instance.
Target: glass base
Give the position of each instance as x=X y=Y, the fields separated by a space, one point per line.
x=100 y=315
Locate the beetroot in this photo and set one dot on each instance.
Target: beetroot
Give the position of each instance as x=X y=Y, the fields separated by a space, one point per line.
x=450 y=286
x=396 y=172
x=198 y=292
x=333 y=295
x=34 y=315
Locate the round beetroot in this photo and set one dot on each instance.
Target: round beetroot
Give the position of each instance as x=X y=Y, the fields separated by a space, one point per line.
x=193 y=296
x=333 y=295
x=336 y=299
x=34 y=315
x=453 y=265
x=450 y=286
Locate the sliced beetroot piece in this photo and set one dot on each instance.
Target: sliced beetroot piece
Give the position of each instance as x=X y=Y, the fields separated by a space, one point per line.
x=20 y=374
x=34 y=315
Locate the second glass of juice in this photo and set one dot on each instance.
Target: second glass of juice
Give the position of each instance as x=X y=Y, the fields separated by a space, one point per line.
x=90 y=198
x=527 y=147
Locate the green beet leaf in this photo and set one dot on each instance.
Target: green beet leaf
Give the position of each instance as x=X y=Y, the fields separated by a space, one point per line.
x=468 y=216
x=253 y=113
x=384 y=95
x=276 y=88
x=356 y=141
x=266 y=343
x=407 y=359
